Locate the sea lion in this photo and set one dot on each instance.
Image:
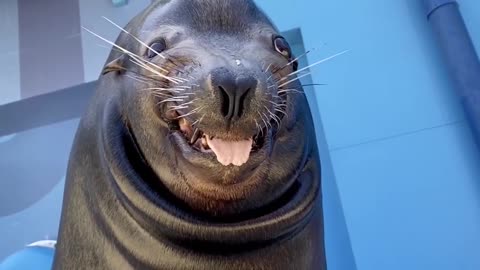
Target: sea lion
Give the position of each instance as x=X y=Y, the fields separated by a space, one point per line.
x=197 y=151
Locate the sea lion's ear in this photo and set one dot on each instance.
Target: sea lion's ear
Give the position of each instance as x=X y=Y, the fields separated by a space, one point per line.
x=116 y=65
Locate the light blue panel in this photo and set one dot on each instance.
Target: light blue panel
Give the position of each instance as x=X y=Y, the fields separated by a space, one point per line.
x=470 y=10
x=337 y=239
x=338 y=247
x=389 y=83
x=9 y=55
x=392 y=82
x=413 y=202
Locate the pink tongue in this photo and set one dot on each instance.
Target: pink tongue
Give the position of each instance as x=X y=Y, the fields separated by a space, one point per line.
x=230 y=152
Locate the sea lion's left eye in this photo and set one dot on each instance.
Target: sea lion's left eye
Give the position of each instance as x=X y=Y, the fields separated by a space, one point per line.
x=156 y=48
x=281 y=45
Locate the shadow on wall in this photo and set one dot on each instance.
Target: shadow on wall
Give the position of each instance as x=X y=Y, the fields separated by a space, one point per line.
x=32 y=166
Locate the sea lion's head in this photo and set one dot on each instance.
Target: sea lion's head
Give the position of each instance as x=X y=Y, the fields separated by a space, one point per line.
x=209 y=91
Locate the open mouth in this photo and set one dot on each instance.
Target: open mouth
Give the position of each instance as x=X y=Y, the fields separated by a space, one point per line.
x=226 y=151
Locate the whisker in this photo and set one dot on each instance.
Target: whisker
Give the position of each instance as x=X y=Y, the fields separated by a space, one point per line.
x=188 y=103
x=318 y=62
x=259 y=129
x=174 y=108
x=164 y=91
x=291 y=62
x=115 y=49
x=314 y=84
x=281 y=106
x=190 y=113
x=140 y=77
x=267 y=119
x=131 y=54
x=180 y=80
x=281 y=111
x=161 y=89
x=112 y=43
x=277 y=104
x=289 y=90
x=266 y=70
x=273 y=116
x=306 y=68
x=288 y=75
x=199 y=120
x=263 y=120
x=144 y=44
x=299 y=57
x=137 y=39
x=157 y=89
x=172 y=99
x=145 y=66
x=162 y=95
x=292 y=80
x=188 y=94
x=137 y=79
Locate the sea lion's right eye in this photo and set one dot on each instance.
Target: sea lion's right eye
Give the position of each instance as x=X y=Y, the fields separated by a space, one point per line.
x=282 y=47
x=156 y=48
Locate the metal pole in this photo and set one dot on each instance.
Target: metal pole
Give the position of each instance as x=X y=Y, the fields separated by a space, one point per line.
x=454 y=41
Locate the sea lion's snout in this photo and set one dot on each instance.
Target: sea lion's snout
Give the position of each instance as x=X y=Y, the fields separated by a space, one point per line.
x=234 y=92
x=228 y=111
x=228 y=131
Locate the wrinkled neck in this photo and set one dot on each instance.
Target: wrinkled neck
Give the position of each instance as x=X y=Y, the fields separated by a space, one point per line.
x=149 y=204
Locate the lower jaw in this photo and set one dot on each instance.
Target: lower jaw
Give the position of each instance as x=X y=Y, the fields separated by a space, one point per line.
x=255 y=200
x=207 y=178
x=207 y=159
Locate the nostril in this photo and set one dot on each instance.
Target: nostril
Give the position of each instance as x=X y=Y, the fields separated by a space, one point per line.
x=233 y=92
x=224 y=101
x=241 y=103
x=245 y=86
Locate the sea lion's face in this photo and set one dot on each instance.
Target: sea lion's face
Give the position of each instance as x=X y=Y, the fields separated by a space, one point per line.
x=211 y=103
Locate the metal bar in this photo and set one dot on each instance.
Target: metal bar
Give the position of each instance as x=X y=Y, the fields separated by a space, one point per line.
x=45 y=109
x=454 y=41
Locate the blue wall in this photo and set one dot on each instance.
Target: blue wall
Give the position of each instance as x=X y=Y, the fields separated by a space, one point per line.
x=406 y=167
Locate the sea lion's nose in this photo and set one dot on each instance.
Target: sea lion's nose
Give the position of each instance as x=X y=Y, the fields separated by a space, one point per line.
x=233 y=91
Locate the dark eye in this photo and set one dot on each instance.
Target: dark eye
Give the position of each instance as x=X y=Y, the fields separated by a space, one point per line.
x=281 y=45
x=156 y=48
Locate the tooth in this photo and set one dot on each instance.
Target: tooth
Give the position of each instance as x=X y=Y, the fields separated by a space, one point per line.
x=204 y=142
x=195 y=136
x=186 y=127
